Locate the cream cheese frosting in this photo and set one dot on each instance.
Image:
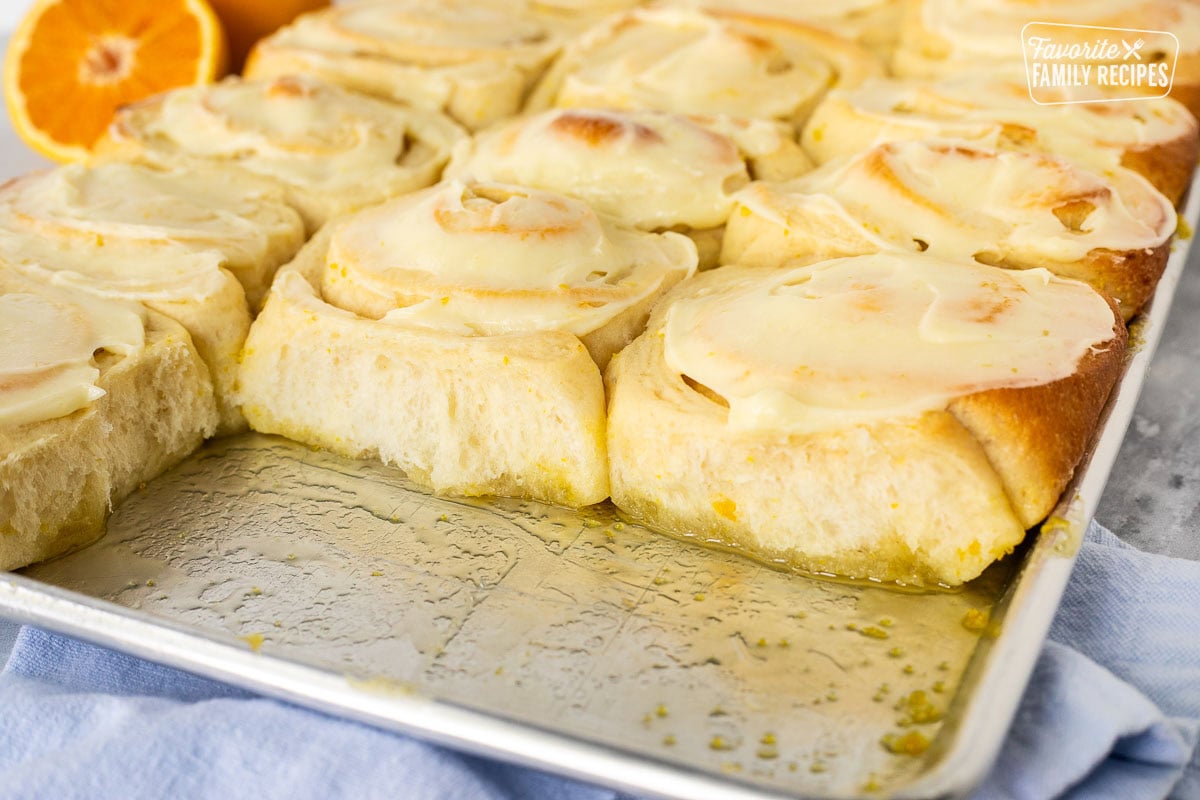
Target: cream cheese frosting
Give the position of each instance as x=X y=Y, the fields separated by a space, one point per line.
x=650 y=169
x=48 y=341
x=993 y=27
x=130 y=231
x=870 y=21
x=990 y=112
x=956 y=201
x=487 y=258
x=985 y=35
x=474 y=60
x=688 y=61
x=856 y=340
x=423 y=32
x=300 y=131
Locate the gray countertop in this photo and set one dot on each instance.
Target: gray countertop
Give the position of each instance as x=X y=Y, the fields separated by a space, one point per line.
x=1152 y=499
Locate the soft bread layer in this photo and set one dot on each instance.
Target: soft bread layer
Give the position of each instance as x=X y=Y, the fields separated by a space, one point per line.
x=190 y=245
x=60 y=477
x=1012 y=209
x=1157 y=138
x=694 y=62
x=473 y=60
x=331 y=150
x=930 y=498
x=518 y=414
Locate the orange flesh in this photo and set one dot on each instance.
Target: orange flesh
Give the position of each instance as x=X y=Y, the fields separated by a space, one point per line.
x=86 y=58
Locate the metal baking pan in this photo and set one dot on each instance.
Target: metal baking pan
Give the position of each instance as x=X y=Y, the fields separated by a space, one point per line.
x=569 y=641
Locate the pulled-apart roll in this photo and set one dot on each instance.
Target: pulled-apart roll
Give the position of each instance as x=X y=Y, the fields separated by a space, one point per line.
x=199 y=247
x=900 y=418
x=96 y=397
x=1010 y=209
x=470 y=59
x=942 y=38
x=334 y=151
x=694 y=62
x=458 y=333
x=648 y=169
x=1157 y=138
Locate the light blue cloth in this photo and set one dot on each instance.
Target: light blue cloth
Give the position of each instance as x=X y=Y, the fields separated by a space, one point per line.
x=1113 y=711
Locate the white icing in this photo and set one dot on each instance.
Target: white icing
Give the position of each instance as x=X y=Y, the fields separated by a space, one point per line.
x=130 y=231
x=493 y=258
x=300 y=131
x=979 y=108
x=48 y=339
x=960 y=201
x=649 y=169
x=857 y=340
x=690 y=62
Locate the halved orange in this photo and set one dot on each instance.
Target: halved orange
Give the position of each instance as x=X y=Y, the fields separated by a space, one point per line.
x=72 y=63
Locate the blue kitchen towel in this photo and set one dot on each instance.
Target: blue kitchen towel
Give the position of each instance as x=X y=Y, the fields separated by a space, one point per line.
x=1113 y=711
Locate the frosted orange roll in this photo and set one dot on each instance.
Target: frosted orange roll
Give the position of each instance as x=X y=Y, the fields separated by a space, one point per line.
x=944 y=38
x=472 y=60
x=96 y=397
x=1160 y=138
x=198 y=247
x=459 y=333
x=893 y=417
x=695 y=62
x=875 y=24
x=1016 y=210
x=649 y=169
x=332 y=151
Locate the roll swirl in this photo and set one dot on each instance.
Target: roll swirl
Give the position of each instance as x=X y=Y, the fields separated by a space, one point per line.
x=1158 y=138
x=333 y=151
x=943 y=38
x=1012 y=209
x=473 y=60
x=875 y=24
x=695 y=62
x=648 y=169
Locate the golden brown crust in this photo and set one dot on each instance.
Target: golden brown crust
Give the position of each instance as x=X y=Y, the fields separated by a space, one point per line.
x=1187 y=91
x=1169 y=166
x=1035 y=436
x=597 y=129
x=1127 y=277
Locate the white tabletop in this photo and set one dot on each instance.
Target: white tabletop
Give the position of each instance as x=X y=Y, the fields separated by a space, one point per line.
x=15 y=157
x=11 y=12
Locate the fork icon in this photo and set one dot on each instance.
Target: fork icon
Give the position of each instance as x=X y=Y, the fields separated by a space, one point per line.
x=1132 y=49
